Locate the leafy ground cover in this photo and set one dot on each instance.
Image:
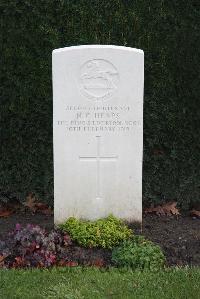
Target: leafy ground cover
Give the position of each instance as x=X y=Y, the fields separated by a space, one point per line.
x=32 y=246
x=138 y=253
x=78 y=283
x=106 y=233
x=179 y=237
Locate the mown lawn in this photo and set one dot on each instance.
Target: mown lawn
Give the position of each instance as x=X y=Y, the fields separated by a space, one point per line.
x=74 y=283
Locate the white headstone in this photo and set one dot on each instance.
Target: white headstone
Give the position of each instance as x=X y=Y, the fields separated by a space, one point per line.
x=98 y=132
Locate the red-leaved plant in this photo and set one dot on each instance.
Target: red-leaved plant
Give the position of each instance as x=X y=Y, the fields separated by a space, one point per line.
x=32 y=246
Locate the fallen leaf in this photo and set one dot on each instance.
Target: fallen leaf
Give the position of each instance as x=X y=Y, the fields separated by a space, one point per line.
x=19 y=262
x=61 y=263
x=2 y=257
x=31 y=202
x=98 y=263
x=168 y=209
x=67 y=263
x=5 y=213
x=40 y=264
x=35 y=206
x=41 y=206
x=71 y=264
x=158 y=210
x=195 y=213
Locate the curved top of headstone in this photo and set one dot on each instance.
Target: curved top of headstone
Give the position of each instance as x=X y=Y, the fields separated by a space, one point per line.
x=98 y=47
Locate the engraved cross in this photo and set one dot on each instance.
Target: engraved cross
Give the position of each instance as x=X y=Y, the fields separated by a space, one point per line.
x=98 y=159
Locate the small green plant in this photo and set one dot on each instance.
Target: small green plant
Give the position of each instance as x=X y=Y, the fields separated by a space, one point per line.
x=138 y=253
x=106 y=233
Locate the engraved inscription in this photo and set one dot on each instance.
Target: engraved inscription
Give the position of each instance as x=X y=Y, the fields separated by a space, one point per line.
x=98 y=158
x=98 y=79
x=97 y=119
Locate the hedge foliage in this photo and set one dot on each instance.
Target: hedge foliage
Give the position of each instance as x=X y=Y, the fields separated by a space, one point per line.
x=167 y=31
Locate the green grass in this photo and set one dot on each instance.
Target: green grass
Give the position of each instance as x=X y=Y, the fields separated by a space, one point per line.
x=75 y=283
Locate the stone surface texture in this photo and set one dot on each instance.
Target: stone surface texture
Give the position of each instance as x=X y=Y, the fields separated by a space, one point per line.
x=98 y=132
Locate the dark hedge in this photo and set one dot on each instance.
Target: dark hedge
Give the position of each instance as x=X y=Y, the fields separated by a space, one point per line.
x=167 y=31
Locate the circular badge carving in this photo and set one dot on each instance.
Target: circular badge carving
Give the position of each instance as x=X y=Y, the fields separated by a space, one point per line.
x=98 y=79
